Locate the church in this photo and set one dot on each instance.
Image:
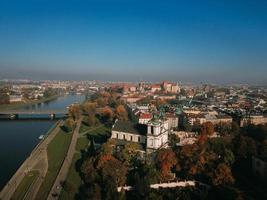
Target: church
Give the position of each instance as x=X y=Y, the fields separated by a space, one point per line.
x=152 y=135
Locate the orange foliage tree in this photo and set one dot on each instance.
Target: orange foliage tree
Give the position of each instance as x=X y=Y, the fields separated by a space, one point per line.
x=166 y=159
x=121 y=113
x=222 y=175
x=107 y=113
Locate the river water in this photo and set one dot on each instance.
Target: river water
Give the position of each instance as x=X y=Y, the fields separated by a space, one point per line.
x=18 y=138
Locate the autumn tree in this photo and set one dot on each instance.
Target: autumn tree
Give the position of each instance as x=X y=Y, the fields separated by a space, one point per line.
x=166 y=159
x=121 y=113
x=130 y=152
x=222 y=175
x=207 y=129
x=107 y=114
x=75 y=111
x=116 y=170
x=91 y=121
x=89 y=108
x=101 y=102
x=107 y=148
x=69 y=124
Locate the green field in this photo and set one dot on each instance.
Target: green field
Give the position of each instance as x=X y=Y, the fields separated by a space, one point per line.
x=57 y=150
x=82 y=143
x=25 y=184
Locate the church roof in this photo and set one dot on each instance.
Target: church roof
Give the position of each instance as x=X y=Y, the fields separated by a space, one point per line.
x=130 y=127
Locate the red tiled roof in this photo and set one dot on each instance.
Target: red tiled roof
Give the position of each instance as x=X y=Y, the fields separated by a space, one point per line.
x=145 y=116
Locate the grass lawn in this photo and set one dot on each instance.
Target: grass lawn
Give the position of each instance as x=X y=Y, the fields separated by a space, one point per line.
x=25 y=184
x=73 y=181
x=82 y=143
x=57 y=150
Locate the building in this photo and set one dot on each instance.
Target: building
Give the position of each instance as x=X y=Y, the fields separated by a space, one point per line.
x=256 y=120
x=172 y=120
x=15 y=98
x=153 y=135
x=144 y=118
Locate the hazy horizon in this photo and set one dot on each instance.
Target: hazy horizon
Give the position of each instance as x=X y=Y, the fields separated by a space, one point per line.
x=188 y=41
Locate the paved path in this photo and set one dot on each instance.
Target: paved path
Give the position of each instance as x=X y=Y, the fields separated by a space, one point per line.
x=37 y=156
x=62 y=175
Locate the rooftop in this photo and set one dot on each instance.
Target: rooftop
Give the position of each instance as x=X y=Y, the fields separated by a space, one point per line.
x=130 y=127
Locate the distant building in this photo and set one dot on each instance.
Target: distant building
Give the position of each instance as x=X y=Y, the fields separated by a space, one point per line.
x=256 y=120
x=15 y=98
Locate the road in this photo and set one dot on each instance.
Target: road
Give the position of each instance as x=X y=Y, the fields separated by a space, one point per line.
x=62 y=175
x=37 y=160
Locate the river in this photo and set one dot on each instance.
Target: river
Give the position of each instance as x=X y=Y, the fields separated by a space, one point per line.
x=18 y=138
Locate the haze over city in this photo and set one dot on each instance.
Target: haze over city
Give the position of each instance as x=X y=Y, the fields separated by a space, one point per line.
x=190 y=41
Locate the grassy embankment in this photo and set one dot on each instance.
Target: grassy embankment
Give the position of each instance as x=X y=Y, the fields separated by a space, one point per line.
x=17 y=105
x=25 y=184
x=56 y=152
x=100 y=133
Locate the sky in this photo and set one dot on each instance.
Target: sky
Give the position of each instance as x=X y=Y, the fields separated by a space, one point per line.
x=204 y=41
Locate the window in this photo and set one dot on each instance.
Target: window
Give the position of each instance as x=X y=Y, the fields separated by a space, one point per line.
x=139 y=139
x=131 y=139
x=117 y=135
x=124 y=137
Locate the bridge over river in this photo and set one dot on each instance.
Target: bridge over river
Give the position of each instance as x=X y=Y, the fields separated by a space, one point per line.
x=33 y=114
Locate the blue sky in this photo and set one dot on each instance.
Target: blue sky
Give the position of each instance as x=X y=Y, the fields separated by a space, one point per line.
x=193 y=41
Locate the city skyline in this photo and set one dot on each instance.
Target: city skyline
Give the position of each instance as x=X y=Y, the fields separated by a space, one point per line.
x=211 y=42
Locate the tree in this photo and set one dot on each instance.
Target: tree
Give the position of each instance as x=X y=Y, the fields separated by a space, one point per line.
x=111 y=167
x=101 y=102
x=235 y=130
x=244 y=147
x=121 y=113
x=130 y=151
x=166 y=159
x=222 y=175
x=107 y=148
x=207 y=129
x=69 y=124
x=173 y=140
x=107 y=114
x=91 y=120
x=89 y=108
x=4 y=97
x=75 y=111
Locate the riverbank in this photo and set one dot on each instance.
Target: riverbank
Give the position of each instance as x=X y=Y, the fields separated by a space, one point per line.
x=13 y=106
x=36 y=161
